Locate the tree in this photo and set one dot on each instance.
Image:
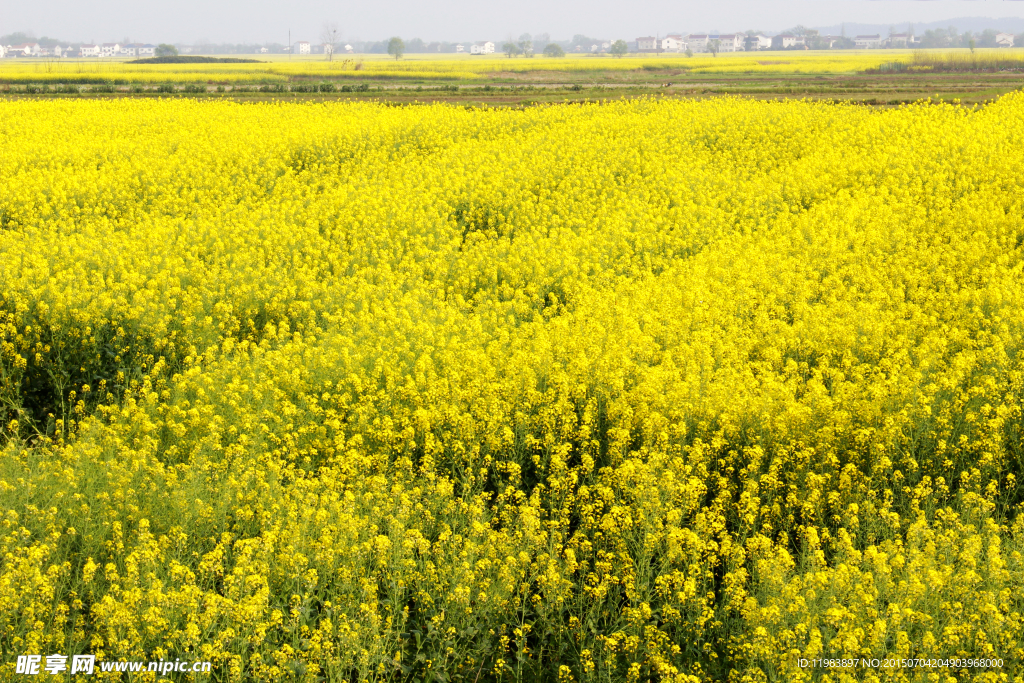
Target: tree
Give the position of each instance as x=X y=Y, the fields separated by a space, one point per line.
x=583 y=42
x=165 y=50
x=987 y=38
x=396 y=48
x=18 y=37
x=817 y=42
x=801 y=30
x=510 y=49
x=553 y=50
x=329 y=35
x=526 y=45
x=619 y=48
x=713 y=47
x=944 y=38
x=689 y=52
x=934 y=38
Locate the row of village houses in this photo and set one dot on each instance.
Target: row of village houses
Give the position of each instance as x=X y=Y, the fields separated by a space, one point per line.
x=673 y=42
x=302 y=47
x=103 y=50
x=483 y=47
x=736 y=42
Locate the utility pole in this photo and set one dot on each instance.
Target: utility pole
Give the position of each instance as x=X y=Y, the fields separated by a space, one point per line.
x=289 y=44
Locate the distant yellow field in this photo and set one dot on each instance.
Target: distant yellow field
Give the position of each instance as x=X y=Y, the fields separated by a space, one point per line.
x=450 y=67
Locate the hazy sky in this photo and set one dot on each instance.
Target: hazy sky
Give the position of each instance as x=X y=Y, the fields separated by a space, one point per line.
x=257 y=21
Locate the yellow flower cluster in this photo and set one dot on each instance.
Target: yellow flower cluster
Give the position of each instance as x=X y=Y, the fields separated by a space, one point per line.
x=643 y=391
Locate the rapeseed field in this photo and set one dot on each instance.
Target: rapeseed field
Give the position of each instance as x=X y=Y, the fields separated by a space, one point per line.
x=472 y=69
x=650 y=390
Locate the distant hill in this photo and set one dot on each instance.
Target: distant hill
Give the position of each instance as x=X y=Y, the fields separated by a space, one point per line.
x=185 y=59
x=973 y=24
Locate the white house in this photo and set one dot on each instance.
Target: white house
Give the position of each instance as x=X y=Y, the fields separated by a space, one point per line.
x=730 y=42
x=138 y=50
x=697 y=42
x=263 y=51
x=1004 y=40
x=3 y=52
x=792 y=41
x=460 y=48
x=868 y=42
x=110 y=50
x=762 y=42
x=484 y=47
x=349 y=49
x=303 y=47
x=647 y=44
x=24 y=50
x=89 y=51
x=673 y=42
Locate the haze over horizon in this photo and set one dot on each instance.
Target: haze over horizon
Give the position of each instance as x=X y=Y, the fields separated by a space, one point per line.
x=262 y=21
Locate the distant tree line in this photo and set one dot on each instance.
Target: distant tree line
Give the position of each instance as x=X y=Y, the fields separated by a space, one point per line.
x=19 y=37
x=540 y=43
x=950 y=37
x=526 y=43
x=935 y=38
